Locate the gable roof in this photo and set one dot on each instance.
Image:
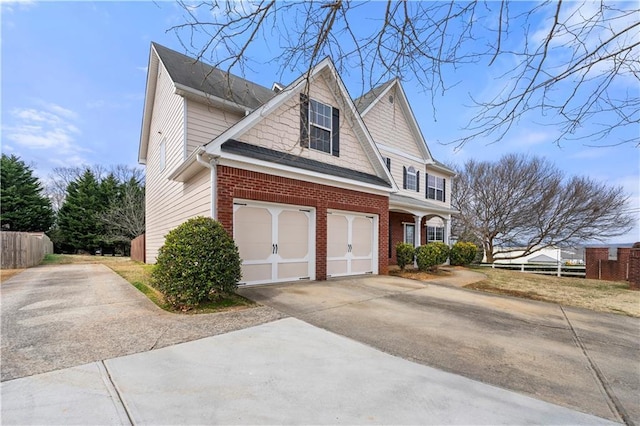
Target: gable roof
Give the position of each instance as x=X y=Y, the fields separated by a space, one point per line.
x=367 y=101
x=325 y=68
x=197 y=75
x=363 y=102
x=195 y=78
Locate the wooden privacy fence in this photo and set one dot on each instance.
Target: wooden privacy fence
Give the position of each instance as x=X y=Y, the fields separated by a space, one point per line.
x=138 y=248
x=23 y=249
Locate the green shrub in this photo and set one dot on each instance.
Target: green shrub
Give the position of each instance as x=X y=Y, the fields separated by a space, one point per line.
x=429 y=256
x=404 y=254
x=198 y=262
x=463 y=253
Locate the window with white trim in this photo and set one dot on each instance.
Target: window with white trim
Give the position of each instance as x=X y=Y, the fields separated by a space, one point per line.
x=435 y=188
x=435 y=233
x=320 y=126
x=412 y=179
x=409 y=233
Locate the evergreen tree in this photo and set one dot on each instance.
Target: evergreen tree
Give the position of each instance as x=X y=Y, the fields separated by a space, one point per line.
x=79 y=217
x=22 y=206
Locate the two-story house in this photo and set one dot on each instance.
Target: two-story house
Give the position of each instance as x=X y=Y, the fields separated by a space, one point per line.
x=293 y=173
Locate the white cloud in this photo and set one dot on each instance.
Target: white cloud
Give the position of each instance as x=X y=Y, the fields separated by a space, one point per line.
x=48 y=127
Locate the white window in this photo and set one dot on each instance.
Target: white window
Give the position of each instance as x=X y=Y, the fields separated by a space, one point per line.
x=163 y=154
x=435 y=233
x=409 y=233
x=435 y=188
x=412 y=179
x=320 y=126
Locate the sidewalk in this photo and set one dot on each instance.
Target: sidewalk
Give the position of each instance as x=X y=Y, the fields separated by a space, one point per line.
x=283 y=372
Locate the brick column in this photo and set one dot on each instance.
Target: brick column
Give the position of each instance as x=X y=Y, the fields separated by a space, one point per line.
x=592 y=258
x=634 y=267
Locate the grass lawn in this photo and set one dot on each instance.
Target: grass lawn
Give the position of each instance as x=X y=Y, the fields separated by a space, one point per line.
x=597 y=295
x=139 y=275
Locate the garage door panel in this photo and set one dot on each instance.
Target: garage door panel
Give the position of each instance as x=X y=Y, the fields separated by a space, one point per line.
x=360 y=266
x=351 y=247
x=293 y=234
x=253 y=233
x=362 y=236
x=337 y=235
x=255 y=273
x=275 y=241
x=294 y=270
x=337 y=267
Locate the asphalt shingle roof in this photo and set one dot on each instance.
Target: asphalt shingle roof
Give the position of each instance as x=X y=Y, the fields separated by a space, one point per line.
x=365 y=100
x=213 y=81
x=272 y=156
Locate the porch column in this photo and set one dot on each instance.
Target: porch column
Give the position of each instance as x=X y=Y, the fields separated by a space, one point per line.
x=447 y=230
x=417 y=235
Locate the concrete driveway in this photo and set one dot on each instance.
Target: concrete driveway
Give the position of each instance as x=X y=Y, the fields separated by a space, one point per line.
x=66 y=315
x=572 y=357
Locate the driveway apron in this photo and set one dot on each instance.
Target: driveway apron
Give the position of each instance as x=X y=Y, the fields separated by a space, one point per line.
x=576 y=358
x=66 y=315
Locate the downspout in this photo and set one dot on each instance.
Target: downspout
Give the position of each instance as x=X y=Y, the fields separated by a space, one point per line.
x=211 y=165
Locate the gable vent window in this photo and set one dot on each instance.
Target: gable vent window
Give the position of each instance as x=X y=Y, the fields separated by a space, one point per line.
x=411 y=179
x=319 y=126
x=388 y=161
x=436 y=188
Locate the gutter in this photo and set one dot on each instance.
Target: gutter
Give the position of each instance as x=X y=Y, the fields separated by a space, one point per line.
x=214 y=179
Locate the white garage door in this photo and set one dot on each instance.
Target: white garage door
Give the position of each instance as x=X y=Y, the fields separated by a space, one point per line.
x=352 y=244
x=276 y=242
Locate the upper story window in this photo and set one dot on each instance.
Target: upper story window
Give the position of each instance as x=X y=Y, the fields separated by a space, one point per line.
x=319 y=126
x=436 y=188
x=411 y=179
x=388 y=161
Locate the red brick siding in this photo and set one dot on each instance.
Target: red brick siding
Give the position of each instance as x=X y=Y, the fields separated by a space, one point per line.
x=238 y=183
x=598 y=265
x=634 y=269
x=396 y=226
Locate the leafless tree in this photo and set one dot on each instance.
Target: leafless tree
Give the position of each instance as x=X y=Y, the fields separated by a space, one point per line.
x=571 y=62
x=520 y=205
x=125 y=218
x=60 y=178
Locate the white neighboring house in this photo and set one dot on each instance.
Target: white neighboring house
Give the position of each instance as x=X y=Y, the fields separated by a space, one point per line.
x=547 y=256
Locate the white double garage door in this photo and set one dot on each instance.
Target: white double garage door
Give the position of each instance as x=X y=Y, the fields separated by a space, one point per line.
x=277 y=242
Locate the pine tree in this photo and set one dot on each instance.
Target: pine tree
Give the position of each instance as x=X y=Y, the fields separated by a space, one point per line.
x=79 y=217
x=23 y=208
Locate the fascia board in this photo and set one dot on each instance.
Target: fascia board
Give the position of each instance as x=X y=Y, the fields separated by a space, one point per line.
x=149 y=98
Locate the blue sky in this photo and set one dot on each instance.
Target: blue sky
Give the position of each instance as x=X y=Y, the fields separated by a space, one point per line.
x=73 y=81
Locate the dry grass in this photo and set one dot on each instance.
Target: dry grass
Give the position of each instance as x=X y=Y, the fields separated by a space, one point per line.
x=5 y=274
x=416 y=274
x=597 y=295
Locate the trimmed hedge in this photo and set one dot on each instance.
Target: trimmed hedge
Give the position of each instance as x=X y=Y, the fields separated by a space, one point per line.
x=404 y=254
x=430 y=255
x=198 y=262
x=463 y=253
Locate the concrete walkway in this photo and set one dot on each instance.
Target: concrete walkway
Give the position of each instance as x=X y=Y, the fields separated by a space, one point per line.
x=284 y=372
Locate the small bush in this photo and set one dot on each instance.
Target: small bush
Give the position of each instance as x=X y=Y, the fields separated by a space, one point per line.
x=463 y=253
x=404 y=254
x=429 y=256
x=198 y=262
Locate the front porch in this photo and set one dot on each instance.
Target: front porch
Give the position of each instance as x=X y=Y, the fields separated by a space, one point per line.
x=416 y=222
